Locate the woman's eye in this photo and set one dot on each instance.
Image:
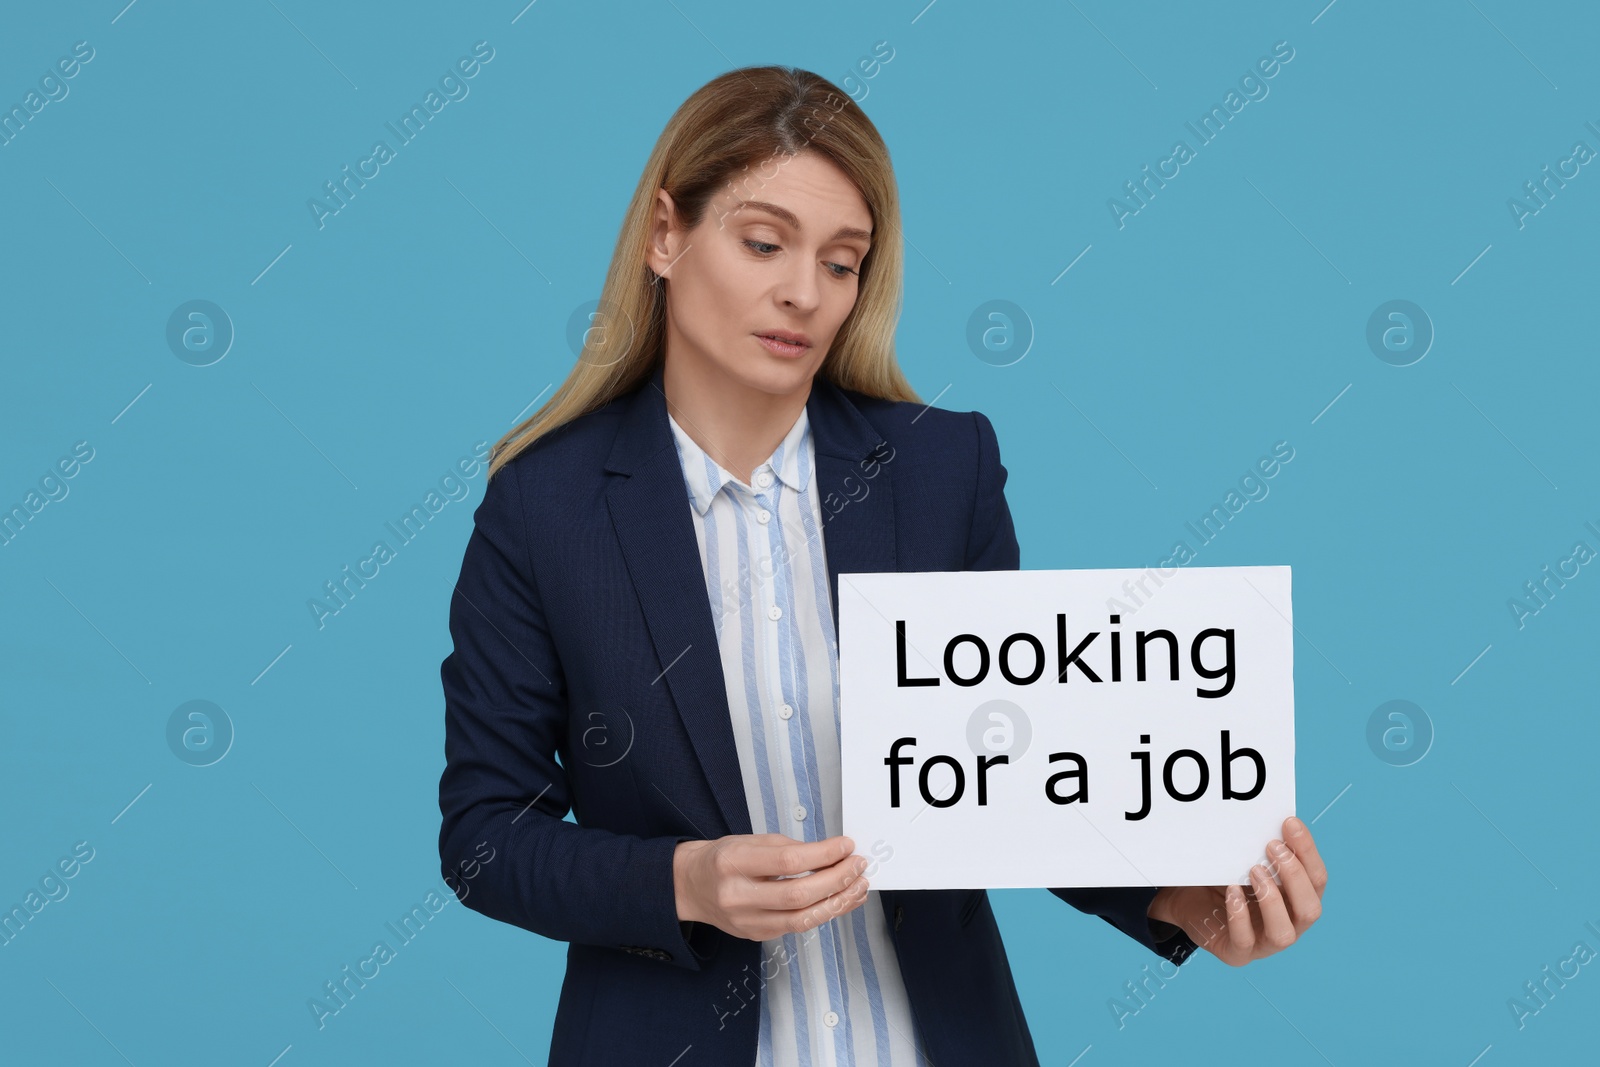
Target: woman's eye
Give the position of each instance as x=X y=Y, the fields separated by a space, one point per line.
x=766 y=248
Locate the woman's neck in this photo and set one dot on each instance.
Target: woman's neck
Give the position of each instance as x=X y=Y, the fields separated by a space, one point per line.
x=738 y=427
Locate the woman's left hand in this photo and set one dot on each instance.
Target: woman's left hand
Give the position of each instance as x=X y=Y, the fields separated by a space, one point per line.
x=1236 y=928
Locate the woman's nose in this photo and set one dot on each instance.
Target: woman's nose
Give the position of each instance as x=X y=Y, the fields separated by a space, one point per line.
x=799 y=285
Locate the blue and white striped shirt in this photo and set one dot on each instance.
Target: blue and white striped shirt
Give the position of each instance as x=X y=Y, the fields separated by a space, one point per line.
x=832 y=996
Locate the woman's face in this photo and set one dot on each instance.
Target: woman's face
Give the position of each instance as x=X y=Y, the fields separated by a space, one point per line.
x=779 y=251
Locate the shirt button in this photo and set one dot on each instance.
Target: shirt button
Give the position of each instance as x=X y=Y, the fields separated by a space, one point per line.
x=800 y=813
x=831 y=1018
x=764 y=479
x=774 y=613
x=763 y=516
x=785 y=711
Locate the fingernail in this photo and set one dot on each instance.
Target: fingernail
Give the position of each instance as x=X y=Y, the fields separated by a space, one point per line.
x=1278 y=849
x=1295 y=825
x=861 y=864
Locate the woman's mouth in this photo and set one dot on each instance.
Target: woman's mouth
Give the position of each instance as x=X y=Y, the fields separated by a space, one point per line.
x=783 y=344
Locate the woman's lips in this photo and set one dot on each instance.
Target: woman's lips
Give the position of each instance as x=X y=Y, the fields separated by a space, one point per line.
x=782 y=348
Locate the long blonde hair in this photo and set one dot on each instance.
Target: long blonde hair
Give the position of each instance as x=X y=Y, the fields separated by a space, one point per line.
x=728 y=134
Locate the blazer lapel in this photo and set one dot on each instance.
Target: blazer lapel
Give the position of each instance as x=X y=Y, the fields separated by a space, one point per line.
x=853 y=486
x=655 y=526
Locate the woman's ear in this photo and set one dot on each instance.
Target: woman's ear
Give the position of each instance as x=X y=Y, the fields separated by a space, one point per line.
x=662 y=247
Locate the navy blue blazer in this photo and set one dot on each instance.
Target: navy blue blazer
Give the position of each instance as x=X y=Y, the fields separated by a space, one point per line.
x=582 y=631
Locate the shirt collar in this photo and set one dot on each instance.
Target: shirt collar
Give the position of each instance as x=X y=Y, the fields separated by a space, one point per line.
x=791 y=461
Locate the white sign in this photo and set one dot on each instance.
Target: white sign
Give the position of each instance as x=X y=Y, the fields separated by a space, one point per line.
x=1065 y=728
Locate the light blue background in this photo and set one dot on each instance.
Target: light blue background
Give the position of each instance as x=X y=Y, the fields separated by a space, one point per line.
x=1225 y=316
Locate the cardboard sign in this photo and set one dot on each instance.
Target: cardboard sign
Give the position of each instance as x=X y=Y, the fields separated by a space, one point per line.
x=1066 y=728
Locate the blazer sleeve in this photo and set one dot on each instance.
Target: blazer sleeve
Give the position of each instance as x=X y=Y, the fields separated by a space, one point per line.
x=992 y=546
x=505 y=846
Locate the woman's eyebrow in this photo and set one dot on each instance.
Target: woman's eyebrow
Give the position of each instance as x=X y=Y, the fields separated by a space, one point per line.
x=843 y=233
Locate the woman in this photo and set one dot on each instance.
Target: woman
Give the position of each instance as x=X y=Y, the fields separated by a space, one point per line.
x=649 y=596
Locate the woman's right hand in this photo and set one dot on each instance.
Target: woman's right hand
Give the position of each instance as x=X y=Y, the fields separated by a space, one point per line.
x=736 y=883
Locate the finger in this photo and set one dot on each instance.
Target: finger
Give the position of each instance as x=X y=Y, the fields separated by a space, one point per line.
x=1304 y=905
x=1275 y=925
x=1241 y=930
x=740 y=862
x=1297 y=835
x=831 y=907
x=803 y=891
x=842 y=903
x=771 y=855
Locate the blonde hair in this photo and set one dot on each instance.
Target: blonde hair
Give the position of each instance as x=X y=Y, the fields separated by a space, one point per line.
x=728 y=134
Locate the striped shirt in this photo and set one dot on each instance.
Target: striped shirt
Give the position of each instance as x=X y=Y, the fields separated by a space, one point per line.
x=832 y=996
